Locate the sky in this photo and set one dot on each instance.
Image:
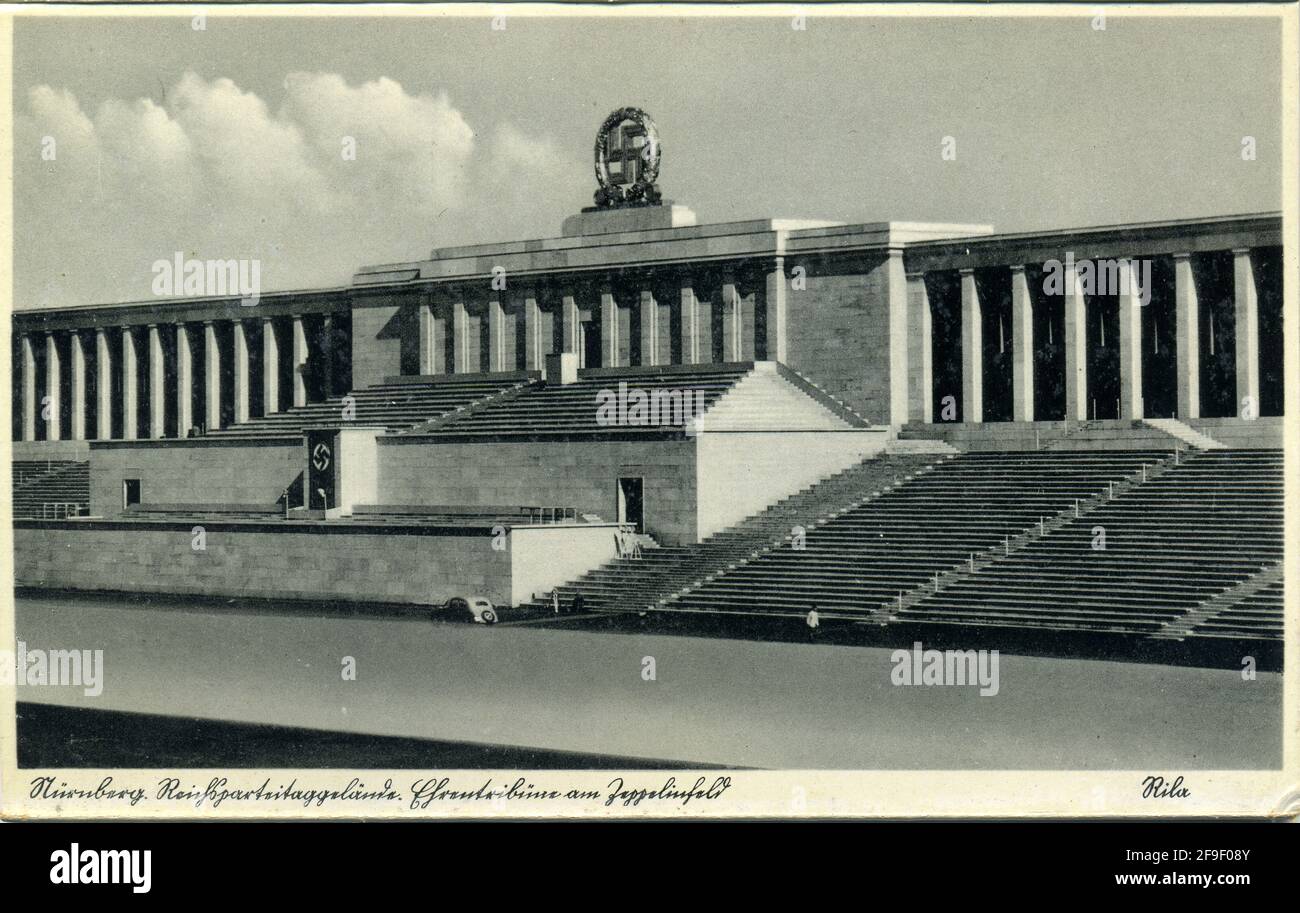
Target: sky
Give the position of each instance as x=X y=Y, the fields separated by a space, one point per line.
x=227 y=142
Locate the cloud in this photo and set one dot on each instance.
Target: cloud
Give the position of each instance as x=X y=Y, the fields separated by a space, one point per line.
x=332 y=177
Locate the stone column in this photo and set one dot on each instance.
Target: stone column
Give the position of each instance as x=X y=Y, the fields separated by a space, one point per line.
x=1022 y=347
x=972 y=350
x=533 y=360
x=649 y=328
x=1130 y=343
x=608 y=330
x=157 y=380
x=920 y=359
x=690 y=314
x=774 y=303
x=242 y=373
x=184 y=382
x=270 y=368
x=53 y=391
x=29 y=389
x=103 y=385
x=77 y=354
x=327 y=353
x=130 y=387
x=1247 y=329
x=212 y=375
x=459 y=338
x=496 y=316
x=428 y=352
x=299 y=362
x=732 y=322
x=1187 y=328
x=1076 y=349
x=899 y=343
x=569 y=319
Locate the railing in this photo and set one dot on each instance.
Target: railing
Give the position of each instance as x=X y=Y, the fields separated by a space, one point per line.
x=541 y=515
x=60 y=510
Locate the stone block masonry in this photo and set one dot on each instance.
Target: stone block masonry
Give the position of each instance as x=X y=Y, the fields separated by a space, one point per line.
x=392 y=563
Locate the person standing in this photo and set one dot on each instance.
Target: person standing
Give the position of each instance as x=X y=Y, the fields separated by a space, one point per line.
x=813 y=621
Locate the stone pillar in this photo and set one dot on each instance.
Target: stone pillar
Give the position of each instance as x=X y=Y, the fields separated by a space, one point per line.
x=425 y=321
x=299 y=361
x=103 y=385
x=732 y=322
x=1187 y=328
x=896 y=293
x=608 y=330
x=774 y=303
x=920 y=359
x=242 y=373
x=1022 y=347
x=212 y=375
x=157 y=381
x=1076 y=349
x=53 y=391
x=327 y=353
x=184 y=382
x=1130 y=343
x=1247 y=329
x=533 y=360
x=29 y=389
x=270 y=368
x=130 y=387
x=690 y=314
x=972 y=350
x=649 y=328
x=496 y=316
x=77 y=355
x=459 y=338
x=569 y=319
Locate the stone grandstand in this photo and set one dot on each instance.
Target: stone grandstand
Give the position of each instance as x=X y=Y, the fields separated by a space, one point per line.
x=50 y=489
x=1165 y=544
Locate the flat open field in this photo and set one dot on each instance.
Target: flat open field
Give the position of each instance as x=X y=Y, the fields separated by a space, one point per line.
x=575 y=693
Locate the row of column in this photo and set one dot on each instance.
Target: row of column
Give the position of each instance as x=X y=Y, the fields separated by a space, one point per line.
x=184 y=391
x=569 y=314
x=1076 y=355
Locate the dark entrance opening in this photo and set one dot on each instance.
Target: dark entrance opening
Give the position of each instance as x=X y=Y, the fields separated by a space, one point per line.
x=1268 y=279
x=130 y=492
x=1102 y=318
x=1049 y=349
x=589 y=344
x=1216 y=292
x=631 y=502
x=944 y=292
x=994 y=287
x=1160 y=343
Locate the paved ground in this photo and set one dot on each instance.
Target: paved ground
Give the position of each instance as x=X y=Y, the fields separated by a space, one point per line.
x=726 y=702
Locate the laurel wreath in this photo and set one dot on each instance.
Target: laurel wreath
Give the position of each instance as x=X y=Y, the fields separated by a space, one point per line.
x=643 y=189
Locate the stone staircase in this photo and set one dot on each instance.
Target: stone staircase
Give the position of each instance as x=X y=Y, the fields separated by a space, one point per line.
x=62 y=492
x=857 y=562
x=1240 y=611
x=1185 y=433
x=764 y=400
x=642 y=584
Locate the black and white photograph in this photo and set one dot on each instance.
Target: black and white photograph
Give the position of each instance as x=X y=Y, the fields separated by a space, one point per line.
x=718 y=411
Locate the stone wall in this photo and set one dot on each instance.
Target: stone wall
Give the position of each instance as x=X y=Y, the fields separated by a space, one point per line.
x=837 y=329
x=579 y=473
x=198 y=471
x=385 y=337
x=344 y=562
x=742 y=473
x=287 y=561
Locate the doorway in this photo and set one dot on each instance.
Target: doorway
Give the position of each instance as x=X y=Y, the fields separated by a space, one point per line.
x=631 y=502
